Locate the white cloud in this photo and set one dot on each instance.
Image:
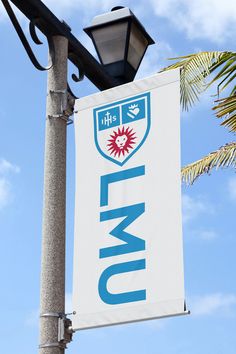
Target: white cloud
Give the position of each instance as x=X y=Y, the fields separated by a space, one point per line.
x=232 y=188
x=149 y=325
x=32 y=319
x=155 y=325
x=192 y=207
x=5 y=192
x=2 y=12
x=68 y=303
x=212 y=303
x=6 y=167
x=4 y=15
x=207 y=235
x=203 y=235
x=5 y=186
x=204 y=19
x=155 y=59
x=86 y=10
x=83 y=10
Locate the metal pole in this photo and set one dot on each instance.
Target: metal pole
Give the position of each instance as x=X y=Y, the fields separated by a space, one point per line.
x=53 y=240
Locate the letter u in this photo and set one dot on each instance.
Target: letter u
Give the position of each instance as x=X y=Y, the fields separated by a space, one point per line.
x=131 y=296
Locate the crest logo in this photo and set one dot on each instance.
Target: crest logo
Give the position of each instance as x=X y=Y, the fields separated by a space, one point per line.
x=122 y=127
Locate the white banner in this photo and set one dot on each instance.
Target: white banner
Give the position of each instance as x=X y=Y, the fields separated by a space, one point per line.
x=128 y=261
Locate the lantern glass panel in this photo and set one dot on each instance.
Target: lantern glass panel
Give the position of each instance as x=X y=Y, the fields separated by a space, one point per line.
x=137 y=46
x=111 y=42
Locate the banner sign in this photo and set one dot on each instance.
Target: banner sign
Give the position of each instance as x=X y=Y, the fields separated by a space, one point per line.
x=128 y=258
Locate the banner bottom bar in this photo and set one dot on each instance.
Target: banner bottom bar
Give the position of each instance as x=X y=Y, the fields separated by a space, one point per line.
x=132 y=321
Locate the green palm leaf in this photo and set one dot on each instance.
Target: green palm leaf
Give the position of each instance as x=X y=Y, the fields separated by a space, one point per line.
x=226 y=107
x=227 y=74
x=224 y=157
x=195 y=68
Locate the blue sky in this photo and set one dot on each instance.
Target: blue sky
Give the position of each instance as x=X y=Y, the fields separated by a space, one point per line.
x=178 y=27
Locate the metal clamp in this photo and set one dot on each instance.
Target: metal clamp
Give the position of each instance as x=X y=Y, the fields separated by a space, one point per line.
x=62 y=116
x=65 y=331
x=67 y=106
x=52 y=345
x=51 y=314
x=58 y=91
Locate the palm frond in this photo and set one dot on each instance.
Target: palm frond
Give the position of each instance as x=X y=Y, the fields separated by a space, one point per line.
x=226 y=107
x=195 y=68
x=224 y=157
x=227 y=74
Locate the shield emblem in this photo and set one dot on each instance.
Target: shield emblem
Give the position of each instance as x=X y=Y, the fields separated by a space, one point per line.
x=122 y=127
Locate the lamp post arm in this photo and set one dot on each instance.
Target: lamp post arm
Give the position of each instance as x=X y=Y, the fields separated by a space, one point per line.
x=38 y=13
x=24 y=40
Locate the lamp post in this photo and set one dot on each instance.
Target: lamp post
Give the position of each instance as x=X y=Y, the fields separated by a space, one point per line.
x=121 y=42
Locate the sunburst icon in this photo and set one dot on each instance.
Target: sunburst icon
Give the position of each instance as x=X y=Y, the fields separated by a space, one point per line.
x=121 y=141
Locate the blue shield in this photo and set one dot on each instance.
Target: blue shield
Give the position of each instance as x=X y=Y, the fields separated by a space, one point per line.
x=121 y=128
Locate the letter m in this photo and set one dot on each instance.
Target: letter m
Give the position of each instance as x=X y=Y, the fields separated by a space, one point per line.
x=132 y=243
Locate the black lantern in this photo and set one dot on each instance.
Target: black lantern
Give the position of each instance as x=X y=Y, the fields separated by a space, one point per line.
x=120 y=41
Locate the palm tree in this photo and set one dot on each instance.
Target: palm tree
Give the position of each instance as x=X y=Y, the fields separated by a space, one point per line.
x=195 y=69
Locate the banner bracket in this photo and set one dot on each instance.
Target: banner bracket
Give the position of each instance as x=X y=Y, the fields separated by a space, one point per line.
x=65 y=331
x=67 y=101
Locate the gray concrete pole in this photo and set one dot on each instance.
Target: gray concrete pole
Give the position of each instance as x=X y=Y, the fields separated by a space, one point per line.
x=52 y=296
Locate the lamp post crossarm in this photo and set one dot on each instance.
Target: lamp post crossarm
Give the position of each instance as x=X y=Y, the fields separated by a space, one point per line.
x=41 y=17
x=24 y=40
